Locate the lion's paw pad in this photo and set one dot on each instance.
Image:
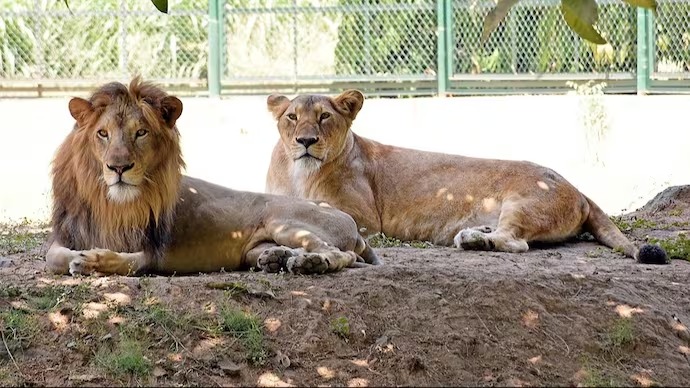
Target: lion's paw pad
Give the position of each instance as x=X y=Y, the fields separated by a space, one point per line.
x=472 y=239
x=308 y=263
x=274 y=259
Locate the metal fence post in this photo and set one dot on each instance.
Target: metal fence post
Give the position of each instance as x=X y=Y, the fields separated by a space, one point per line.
x=215 y=32
x=441 y=47
x=645 y=49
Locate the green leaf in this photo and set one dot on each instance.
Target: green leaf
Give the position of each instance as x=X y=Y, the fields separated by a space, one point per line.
x=581 y=15
x=67 y=5
x=649 y=4
x=162 y=5
x=495 y=16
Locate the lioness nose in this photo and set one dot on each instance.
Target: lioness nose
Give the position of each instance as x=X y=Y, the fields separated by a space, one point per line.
x=307 y=141
x=121 y=169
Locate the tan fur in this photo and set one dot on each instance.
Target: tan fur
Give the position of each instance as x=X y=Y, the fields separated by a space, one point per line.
x=121 y=204
x=472 y=203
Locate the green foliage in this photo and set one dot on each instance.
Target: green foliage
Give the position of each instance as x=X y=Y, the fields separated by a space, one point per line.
x=17 y=329
x=380 y=240
x=676 y=247
x=248 y=329
x=100 y=39
x=341 y=327
x=620 y=334
x=21 y=237
x=126 y=358
x=580 y=15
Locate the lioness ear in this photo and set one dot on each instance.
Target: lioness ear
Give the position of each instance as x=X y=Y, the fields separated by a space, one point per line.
x=78 y=107
x=277 y=105
x=171 y=108
x=349 y=103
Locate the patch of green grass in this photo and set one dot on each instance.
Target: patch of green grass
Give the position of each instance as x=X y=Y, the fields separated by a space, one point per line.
x=18 y=328
x=675 y=212
x=621 y=334
x=9 y=291
x=637 y=223
x=380 y=240
x=341 y=327
x=126 y=358
x=21 y=237
x=597 y=379
x=51 y=296
x=676 y=247
x=248 y=329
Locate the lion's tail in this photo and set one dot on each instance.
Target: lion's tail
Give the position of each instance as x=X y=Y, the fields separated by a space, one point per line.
x=607 y=233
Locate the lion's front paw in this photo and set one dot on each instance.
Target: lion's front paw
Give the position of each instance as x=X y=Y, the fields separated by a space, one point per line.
x=88 y=262
x=274 y=259
x=473 y=239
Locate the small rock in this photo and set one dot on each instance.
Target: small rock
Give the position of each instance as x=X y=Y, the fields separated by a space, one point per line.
x=159 y=372
x=382 y=340
x=230 y=368
x=106 y=337
x=71 y=345
x=282 y=360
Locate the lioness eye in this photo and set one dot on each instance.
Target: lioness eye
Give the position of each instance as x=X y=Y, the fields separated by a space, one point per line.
x=102 y=133
x=324 y=116
x=142 y=132
x=292 y=116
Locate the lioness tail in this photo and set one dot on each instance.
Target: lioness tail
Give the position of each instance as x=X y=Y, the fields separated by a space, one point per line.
x=607 y=233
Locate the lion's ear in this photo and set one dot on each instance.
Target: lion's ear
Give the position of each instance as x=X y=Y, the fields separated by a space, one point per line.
x=277 y=105
x=79 y=107
x=349 y=103
x=171 y=109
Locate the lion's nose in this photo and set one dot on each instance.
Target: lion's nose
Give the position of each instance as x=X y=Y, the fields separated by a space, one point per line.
x=121 y=169
x=307 y=141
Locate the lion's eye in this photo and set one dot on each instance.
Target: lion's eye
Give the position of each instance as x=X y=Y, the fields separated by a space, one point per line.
x=102 y=133
x=324 y=116
x=292 y=116
x=142 y=133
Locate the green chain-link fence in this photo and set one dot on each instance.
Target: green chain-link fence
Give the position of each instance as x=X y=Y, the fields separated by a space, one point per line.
x=381 y=46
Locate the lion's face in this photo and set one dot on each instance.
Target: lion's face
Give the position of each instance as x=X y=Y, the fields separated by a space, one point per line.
x=314 y=129
x=128 y=138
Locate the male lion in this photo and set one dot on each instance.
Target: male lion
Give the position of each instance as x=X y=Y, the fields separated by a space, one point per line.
x=122 y=206
x=475 y=204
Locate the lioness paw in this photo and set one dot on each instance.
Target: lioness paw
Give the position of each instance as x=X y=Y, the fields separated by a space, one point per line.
x=473 y=239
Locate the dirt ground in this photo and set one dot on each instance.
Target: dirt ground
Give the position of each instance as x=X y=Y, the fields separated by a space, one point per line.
x=576 y=314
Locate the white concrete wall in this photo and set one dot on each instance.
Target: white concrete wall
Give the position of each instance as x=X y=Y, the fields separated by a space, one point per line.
x=229 y=141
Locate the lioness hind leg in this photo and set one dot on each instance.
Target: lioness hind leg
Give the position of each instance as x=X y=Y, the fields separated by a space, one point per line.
x=476 y=240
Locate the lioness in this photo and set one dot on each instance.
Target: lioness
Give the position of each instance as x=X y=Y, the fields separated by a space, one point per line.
x=122 y=206
x=475 y=204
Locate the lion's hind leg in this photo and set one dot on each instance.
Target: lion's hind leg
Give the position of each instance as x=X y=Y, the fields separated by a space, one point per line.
x=299 y=251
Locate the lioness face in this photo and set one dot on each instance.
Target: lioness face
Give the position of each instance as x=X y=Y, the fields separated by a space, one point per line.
x=127 y=139
x=314 y=129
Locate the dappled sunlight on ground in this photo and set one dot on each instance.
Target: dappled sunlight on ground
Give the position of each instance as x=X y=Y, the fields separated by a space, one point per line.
x=626 y=311
x=270 y=379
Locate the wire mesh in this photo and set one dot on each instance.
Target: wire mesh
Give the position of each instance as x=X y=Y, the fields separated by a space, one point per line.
x=289 y=41
x=672 y=37
x=535 y=39
x=338 y=38
x=43 y=39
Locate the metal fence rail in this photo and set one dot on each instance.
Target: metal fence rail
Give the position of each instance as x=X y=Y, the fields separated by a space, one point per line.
x=396 y=47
